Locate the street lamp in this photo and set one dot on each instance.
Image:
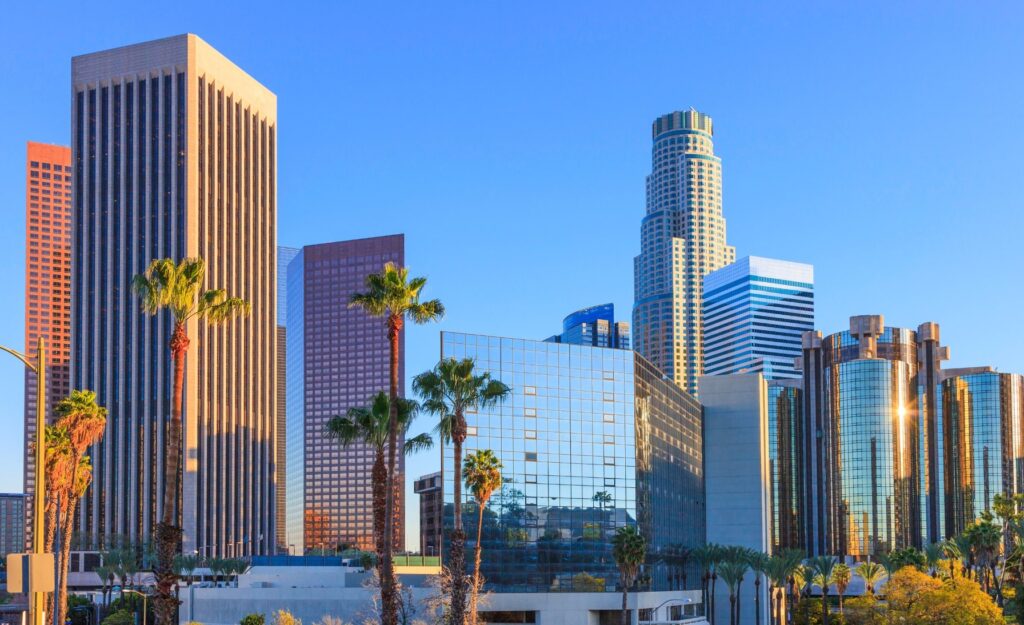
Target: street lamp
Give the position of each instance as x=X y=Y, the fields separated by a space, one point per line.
x=39 y=496
x=144 y=597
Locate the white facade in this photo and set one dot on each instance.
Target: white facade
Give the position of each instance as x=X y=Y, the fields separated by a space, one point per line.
x=737 y=477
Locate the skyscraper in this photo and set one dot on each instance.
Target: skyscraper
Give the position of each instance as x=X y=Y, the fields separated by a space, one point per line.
x=428 y=487
x=755 y=313
x=590 y=439
x=682 y=239
x=47 y=279
x=595 y=326
x=338 y=358
x=284 y=257
x=12 y=523
x=174 y=149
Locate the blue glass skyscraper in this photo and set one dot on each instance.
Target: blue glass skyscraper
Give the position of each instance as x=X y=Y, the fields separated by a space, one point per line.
x=591 y=439
x=595 y=326
x=755 y=312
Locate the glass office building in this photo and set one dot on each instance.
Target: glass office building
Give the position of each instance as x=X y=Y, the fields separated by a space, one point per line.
x=591 y=439
x=755 y=313
x=785 y=463
x=983 y=419
x=595 y=326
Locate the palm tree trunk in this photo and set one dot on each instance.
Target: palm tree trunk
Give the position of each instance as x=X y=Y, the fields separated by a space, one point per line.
x=739 y=586
x=68 y=514
x=733 y=609
x=757 y=598
x=389 y=600
x=714 y=583
x=380 y=478
x=168 y=534
x=624 y=616
x=457 y=565
x=824 y=605
x=475 y=590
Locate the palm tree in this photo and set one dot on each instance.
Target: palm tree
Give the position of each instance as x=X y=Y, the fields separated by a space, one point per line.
x=703 y=555
x=370 y=425
x=179 y=289
x=758 y=563
x=933 y=555
x=951 y=551
x=629 y=548
x=841 y=577
x=676 y=556
x=105 y=573
x=732 y=571
x=822 y=570
x=871 y=573
x=392 y=295
x=85 y=422
x=482 y=474
x=186 y=566
x=779 y=570
x=449 y=390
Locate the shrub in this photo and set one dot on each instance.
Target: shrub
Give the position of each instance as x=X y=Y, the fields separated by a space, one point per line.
x=585 y=582
x=284 y=617
x=120 y=617
x=252 y=619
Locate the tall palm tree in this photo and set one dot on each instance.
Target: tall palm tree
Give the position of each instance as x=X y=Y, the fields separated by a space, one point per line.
x=872 y=573
x=779 y=570
x=370 y=425
x=391 y=295
x=841 y=577
x=448 y=390
x=933 y=555
x=732 y=570
x=758 y=563
x=951 y=551
x=482 y=474
x=703 y=556
x=85 y=422
x=186 y=566
x=822 y=569
x=179 y=289
x=629 y=548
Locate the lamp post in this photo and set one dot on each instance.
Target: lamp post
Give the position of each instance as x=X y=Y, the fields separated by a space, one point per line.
x=144 y=597
x=38 y=600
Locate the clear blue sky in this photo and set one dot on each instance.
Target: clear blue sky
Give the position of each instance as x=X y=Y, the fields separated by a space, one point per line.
x=509 y=141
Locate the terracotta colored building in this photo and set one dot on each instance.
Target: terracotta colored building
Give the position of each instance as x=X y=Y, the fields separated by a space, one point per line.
x=47 y=277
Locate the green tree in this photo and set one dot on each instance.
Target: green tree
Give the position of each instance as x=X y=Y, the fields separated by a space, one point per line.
x=985 y=538
x=482 y=474
x=841 y=578
x=822 y=570
x=252 y=619
x=951 y=551
x=448 y=390
x=186 y=567
x=758 y=563
x=779 y=570
x=371 y=426
x=392 y=295
x=871 y=573
x=178 y=288
x=629 y=548
x=708 y=557
x=732 y=570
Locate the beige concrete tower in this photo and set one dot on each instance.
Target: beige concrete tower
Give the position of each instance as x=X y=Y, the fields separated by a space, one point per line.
x=682 y=240
x=174 y=155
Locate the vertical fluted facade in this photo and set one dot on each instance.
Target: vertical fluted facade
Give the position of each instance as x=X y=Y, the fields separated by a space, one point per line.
x=174 y=155
x=682 y=239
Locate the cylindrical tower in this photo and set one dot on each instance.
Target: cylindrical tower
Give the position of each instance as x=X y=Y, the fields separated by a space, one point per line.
x=983 y=420
x=870 y=412
x=785 y=463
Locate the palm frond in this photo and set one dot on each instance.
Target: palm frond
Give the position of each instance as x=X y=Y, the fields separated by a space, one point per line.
x=418 y=443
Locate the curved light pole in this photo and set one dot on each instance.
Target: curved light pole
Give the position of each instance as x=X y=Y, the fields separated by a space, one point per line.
x=39 y=495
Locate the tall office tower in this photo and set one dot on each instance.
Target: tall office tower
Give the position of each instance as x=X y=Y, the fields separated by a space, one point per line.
x=284 y=256
x=47 y=280
x=590 y=439
x=868 y=437
x=174 y=155
x=12 y=523
x=595 y=326
x=428 y=487
x=786 y=434
x=755 y=313
x=682 y=239
x=983 y=414
x=338 y=358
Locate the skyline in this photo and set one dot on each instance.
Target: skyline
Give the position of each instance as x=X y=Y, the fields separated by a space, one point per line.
x=608 y=179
